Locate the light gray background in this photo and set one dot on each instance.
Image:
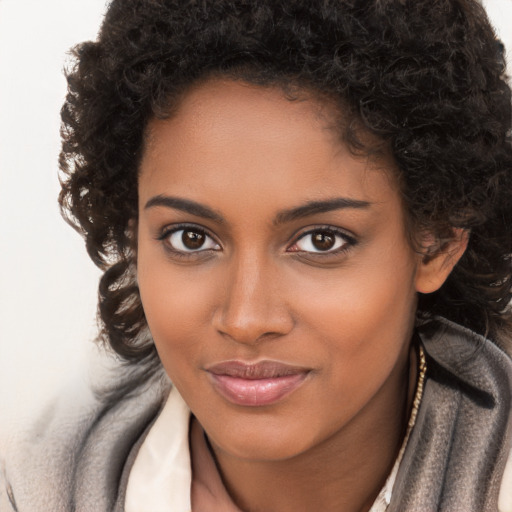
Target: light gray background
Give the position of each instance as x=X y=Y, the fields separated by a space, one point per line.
x=47 y=283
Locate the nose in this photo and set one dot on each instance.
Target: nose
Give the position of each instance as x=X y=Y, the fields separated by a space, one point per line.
x=253 y=307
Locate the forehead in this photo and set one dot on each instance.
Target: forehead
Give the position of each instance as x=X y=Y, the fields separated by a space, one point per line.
x=228 y=134
x=229 y=110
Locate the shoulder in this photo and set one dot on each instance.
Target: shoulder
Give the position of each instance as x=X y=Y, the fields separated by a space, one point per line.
x=457 y=451
x=72 y=457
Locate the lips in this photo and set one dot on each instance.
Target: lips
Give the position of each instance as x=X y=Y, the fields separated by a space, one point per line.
x=259 y=384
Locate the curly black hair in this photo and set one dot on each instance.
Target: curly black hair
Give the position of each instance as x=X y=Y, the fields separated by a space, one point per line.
x=424 y=77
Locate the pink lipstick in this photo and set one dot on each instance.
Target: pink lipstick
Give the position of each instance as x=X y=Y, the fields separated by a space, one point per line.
x=258 y=384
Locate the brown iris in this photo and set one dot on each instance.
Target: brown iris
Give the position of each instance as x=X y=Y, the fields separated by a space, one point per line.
x=193 y=239
x=323 y=240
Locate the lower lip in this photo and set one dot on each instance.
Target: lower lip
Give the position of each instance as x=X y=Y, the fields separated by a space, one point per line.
x=257 y=392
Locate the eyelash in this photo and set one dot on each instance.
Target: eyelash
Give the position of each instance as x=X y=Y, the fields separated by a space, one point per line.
x=180 y=253
x=348 y=241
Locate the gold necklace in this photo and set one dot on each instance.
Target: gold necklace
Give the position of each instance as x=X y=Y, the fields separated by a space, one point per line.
x=419 y=391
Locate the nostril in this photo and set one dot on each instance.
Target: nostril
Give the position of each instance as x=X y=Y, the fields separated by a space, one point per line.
x=247 y=333
x=253 y=326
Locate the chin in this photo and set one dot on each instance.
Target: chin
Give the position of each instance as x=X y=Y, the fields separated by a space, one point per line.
x=263 y=438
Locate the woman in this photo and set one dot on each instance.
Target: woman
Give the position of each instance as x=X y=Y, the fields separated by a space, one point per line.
x=302 y=211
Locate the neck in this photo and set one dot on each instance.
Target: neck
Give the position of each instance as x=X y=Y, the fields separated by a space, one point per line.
x=345 y=472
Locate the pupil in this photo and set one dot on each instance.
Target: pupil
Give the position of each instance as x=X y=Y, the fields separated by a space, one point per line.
x=323 y=240
x=192 y=239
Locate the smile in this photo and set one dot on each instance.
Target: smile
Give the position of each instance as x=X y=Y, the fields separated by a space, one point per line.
x=254 y=385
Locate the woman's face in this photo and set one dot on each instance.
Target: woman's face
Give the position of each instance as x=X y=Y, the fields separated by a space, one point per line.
x=274 y=270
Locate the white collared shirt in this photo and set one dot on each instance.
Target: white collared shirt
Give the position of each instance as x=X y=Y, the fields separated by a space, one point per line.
x=161 y=477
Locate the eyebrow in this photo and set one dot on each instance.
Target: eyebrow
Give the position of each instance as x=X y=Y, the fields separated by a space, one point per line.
x=184 y=205
x=313 y=207
x=299 y=212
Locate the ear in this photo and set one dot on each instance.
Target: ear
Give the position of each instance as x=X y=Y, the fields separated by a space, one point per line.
x=438 y=260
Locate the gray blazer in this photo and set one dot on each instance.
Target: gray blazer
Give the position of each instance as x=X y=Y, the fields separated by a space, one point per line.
x=454 y=460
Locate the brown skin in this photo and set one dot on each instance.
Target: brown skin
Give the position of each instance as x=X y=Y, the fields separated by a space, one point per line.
x=258 y=289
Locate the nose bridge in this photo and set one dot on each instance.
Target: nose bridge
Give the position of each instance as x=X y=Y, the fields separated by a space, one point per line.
x=253 y=305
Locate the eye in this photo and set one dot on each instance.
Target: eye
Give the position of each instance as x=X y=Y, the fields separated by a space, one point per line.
x=189 y=240
x=322 y=240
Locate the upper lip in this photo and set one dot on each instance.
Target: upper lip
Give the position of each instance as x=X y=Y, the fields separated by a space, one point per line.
x=253 y=371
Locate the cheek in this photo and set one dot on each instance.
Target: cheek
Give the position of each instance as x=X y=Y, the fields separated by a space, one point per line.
x=362 y=319
x=361 y=301
x=177 y=307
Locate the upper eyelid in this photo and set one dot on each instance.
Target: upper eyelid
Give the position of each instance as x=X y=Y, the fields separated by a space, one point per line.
x=172 y=228
x=350 y=242
x=169 y=229
x=312 y=229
